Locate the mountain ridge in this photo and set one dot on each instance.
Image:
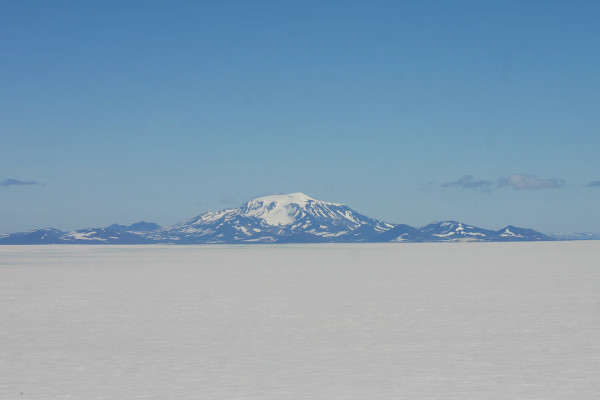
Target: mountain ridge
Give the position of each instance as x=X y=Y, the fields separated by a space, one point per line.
x=287 y=218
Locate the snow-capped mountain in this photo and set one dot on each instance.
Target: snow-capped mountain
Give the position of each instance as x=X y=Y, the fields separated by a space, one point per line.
x=454 y=231
x=405 y=233
x=137 y=233
x=38 y=236
x=514 y=233
x=293 y=217
x=457 y=231
x=289 y=218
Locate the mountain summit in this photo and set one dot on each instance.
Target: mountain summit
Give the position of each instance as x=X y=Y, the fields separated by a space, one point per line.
x=286 y=218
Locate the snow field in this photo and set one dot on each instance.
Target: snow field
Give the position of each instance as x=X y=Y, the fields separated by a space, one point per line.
x=372 y=321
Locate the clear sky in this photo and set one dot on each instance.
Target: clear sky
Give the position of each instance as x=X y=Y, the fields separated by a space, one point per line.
x=486 y=112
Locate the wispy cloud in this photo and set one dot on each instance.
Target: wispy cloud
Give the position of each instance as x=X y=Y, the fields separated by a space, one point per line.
x=16 y=182
x=516 y=181
x=530 y=182
x=468 y=182
x=594 y=184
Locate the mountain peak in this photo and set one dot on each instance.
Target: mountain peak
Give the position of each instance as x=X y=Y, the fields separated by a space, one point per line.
x=277 y=209
x=282 y=209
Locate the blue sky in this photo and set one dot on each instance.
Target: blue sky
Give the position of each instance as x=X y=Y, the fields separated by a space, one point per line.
x=483 y=112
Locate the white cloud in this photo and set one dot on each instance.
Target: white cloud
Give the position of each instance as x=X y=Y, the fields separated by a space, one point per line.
x=529 y=182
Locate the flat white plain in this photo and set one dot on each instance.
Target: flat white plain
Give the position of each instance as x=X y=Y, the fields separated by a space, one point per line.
x=387 y=321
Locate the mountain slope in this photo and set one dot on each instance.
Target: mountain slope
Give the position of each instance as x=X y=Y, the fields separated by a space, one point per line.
x=513 y=233
x=457 y=231
x=406 y=234
x=37 y=236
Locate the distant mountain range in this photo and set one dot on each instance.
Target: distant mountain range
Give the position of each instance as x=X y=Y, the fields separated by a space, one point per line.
x=575 y=236
x=290 y=218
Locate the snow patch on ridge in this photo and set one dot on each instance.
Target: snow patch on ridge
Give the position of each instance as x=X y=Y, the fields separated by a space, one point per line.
x=84 y=236
x=507 y=232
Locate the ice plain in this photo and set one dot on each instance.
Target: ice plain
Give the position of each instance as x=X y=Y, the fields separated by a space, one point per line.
x=371 y=321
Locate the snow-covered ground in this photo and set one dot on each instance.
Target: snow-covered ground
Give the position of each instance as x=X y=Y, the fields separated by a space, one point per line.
x=389 y=321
